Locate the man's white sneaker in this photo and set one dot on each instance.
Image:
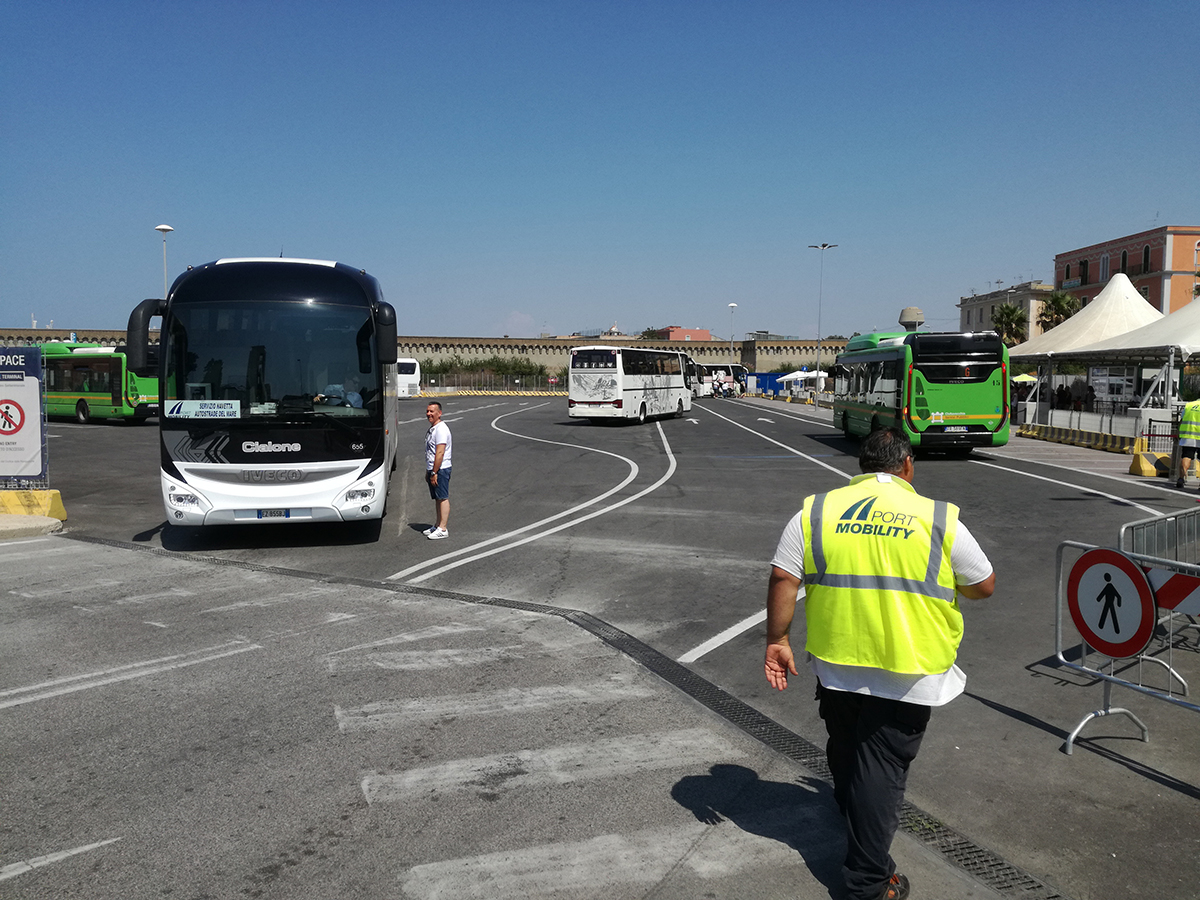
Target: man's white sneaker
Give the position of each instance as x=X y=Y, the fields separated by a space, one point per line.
x=438 y=533
x=430 y=530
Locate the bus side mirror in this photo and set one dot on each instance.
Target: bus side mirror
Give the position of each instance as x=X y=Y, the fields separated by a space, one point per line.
x=385 y=335
x=137 y=333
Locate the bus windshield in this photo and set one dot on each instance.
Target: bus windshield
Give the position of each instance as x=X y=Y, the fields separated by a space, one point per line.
x=956 y=358
x=273 y=357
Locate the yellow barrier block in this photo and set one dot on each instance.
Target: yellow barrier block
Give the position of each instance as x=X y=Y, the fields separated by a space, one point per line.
x=33 y=503
x=1151 y=464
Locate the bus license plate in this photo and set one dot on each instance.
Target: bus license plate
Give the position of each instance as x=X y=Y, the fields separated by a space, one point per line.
x=274 y=513
x=956 y=427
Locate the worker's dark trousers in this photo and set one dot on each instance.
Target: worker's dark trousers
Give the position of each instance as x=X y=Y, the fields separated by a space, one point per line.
x=871 y=743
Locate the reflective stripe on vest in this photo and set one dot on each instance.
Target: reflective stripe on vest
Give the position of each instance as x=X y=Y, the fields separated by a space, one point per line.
x=880 y=588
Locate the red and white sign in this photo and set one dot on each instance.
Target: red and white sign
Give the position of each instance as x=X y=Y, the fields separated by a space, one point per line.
x=1174 y=592
x=1111 y=603
x=12 y=417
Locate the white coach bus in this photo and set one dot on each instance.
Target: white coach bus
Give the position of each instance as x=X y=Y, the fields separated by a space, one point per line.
x=627 y=383
x=277 y=392
x=408 y=378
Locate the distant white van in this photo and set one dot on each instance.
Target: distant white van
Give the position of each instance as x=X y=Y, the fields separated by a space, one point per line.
x=408 y=378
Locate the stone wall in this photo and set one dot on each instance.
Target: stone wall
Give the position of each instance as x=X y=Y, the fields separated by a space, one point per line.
x=553 y=353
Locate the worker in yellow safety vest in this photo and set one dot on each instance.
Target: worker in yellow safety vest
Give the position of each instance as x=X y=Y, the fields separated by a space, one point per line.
x=882 y=568
x=1189 y=439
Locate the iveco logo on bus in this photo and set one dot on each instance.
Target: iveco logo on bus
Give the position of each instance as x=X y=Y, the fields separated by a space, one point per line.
x=256 y=476
x=268 y=447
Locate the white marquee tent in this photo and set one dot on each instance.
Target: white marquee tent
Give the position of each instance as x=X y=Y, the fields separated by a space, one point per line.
x=1176 y=335
x=1117 y=310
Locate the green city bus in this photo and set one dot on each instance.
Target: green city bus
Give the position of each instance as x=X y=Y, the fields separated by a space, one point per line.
x=947 y=391
x=91 y=381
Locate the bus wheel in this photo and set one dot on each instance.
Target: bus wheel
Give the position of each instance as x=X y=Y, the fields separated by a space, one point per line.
x=679 y=410
x=641 y=416
x=82 y=414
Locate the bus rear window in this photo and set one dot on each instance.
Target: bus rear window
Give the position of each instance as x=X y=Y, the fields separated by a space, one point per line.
x=956 y=346
x=406 y=368
x=957 y=372
x=594 y=359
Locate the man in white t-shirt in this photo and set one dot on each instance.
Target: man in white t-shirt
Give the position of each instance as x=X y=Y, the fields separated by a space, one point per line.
x=437 y=470
x=882 y=568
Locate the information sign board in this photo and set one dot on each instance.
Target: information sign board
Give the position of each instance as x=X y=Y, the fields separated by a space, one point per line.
x=22 y=422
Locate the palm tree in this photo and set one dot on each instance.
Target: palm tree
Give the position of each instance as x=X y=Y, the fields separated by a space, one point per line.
x=1056 y=309
x=1010 y=322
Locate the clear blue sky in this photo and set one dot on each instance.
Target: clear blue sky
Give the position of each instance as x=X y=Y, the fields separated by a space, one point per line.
x=519 y=167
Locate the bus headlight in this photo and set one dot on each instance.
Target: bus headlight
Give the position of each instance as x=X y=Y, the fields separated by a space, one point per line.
x=358 y=495
x=182 y=500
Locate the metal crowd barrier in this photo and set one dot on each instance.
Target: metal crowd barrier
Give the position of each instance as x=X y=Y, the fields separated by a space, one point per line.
x=1133 y=672
x=1174 y=536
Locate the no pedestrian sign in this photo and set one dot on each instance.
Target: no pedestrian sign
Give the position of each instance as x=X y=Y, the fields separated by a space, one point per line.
x=1111 y=603
x=12 y=417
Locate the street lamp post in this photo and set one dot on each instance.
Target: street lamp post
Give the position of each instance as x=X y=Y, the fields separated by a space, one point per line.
x=164 y=229
x=732 y=307
x=820 y=294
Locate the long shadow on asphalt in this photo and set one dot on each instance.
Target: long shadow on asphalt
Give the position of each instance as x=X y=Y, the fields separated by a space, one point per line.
x=801 y=815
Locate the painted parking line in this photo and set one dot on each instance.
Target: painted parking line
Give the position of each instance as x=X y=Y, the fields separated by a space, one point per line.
x=12 y=870
x=388 y=714
x=72 y=683
x=611 y=758
x=595 y=866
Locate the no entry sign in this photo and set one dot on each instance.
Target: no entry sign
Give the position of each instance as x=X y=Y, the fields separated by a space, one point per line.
x=1111 y=603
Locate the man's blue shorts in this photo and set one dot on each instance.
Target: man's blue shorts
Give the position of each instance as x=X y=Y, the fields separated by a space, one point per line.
x=440 y=491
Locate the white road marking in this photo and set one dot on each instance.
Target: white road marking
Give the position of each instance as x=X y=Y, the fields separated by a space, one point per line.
x=768 y=421
x=582 y=868
x=33 y=554
x=12 y=870
x=1067 y=484
x=457 y=411
x=71 y=683
x=60 y=591
x=671 y=466
x=7 y=545
x=724 y=637
x=155 y=624
x=610 y=758
x=633 y=472
x=397 y=713
x=408 y=637
x=387 y=714
x=1139 y=481
x=813 y=459
x=420 y=660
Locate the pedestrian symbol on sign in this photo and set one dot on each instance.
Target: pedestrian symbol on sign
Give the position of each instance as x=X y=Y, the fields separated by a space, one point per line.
x=1108 y=596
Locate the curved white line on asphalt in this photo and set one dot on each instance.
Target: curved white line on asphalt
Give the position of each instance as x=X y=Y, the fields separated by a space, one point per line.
x=777 y=443
x=537 y=537
x=633 y=473
x=1067 y=484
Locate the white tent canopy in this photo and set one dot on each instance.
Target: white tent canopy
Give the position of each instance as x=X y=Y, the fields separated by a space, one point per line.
x=802 y=376
x=1117 y=310
x=1180 y=332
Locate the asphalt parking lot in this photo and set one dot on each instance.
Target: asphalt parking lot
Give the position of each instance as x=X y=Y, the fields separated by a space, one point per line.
x=663 y=532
